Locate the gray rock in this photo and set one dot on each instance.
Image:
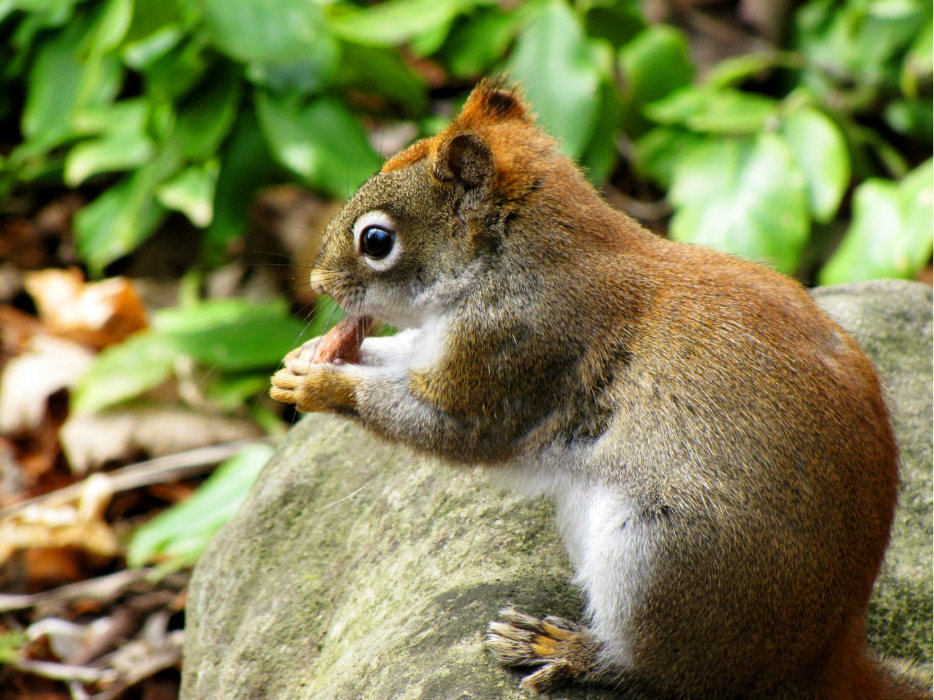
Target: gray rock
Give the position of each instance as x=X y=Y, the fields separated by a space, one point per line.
x=359 y=570
x=891 y=320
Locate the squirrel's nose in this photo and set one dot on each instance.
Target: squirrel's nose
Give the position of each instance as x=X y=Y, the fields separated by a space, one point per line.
x=319 y=280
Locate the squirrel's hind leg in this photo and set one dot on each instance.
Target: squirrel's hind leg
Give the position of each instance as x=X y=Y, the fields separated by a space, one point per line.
x=564 y=651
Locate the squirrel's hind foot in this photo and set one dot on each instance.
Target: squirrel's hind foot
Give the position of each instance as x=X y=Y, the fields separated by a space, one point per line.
x=565 y=651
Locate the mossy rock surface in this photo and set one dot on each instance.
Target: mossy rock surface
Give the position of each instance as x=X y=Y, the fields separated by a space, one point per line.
x=358 y=570
x=891 y=320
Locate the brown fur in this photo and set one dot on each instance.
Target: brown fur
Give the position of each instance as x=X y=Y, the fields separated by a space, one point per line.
x=746 y=430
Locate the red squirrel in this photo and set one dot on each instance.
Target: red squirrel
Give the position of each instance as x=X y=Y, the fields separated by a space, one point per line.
x=723 y=464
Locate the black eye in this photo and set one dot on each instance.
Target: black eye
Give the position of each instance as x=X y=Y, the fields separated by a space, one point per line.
x=376 y=242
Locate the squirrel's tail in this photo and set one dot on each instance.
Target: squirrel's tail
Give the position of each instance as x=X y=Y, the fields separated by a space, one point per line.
x=903 y=681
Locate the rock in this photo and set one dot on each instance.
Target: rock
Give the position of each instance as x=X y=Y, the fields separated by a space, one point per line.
x=358 y=570
x=891 y=320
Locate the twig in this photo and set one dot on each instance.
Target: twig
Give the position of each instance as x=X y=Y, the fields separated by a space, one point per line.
x=65 y=672
x=138 y=660
x=647 y=211
x=725 y=33
x=103 y=588
x=153 y=471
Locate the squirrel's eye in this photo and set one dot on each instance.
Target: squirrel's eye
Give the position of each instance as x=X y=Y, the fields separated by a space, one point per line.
x=376 y=242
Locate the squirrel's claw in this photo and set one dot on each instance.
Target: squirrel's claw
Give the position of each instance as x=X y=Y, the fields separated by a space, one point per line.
x=565 y=651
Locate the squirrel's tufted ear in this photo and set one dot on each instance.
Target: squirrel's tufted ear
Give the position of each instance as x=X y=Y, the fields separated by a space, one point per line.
x=493 y=101
x=466 y=158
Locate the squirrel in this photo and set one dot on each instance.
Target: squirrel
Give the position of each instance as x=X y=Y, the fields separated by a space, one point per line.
x=722 y=461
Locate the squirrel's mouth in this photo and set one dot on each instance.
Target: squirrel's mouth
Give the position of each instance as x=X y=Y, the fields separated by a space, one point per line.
x=346 y=291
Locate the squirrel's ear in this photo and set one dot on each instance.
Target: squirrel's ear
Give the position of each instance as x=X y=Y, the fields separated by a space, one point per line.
x=465 y=158
x=493 y=101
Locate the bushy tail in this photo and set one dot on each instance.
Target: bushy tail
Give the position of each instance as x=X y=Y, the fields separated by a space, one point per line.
x=903 y=681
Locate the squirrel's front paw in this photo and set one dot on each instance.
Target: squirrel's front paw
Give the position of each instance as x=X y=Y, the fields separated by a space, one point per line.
x=313 y=386
x=565 y=651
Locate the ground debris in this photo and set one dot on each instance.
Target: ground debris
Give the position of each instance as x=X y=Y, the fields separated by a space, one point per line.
x=99 y=637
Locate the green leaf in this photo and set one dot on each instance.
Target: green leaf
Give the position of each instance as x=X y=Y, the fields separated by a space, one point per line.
x=661 y=150
x=192 y=193
x=102 y=68
x=617 y=24
x=913 y=118
x=142 y=54
x=601 y=154
x=735 y=70
x=479 y=41
x=560 y=74
x=891 y=234
x=176 y=72
x=853 y=49
x=119 y=150
x=124 y=371
x=381 y=71
x=182 y=532
x=151 y=18
x=65 y=79
x=205 y=117
x=320 y=140
x=53 y=12
x=821 y=152
x=715 y=111
x=231 y=334
x=123 y=145
x=869 y=150
x=112 y=26
x=397 y=21
x=655 y=64
x=231 y=393
x=430 y=41
x=286 y=44
x=32 y=31
x=123 y=216
x=54 y=86
x=246 y=165
x=919 y=61
x=745 y=197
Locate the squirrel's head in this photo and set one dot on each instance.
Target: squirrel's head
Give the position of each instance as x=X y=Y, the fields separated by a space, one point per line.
x=416 y=233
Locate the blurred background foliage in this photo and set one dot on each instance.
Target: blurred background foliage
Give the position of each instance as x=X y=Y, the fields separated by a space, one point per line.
x=186 y=155
x=193 y=105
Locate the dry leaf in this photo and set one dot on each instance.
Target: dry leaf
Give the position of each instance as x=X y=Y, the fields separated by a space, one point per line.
x=12 y=479
x=16 y=329
x=68 y=639
x=91 y=440
x=48 y=365
x=97 y=314
x=45 y=568
x=78 y=526
x=36 y=452
x=20 y=243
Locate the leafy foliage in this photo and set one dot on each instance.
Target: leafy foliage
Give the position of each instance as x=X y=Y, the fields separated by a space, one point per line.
x=239 y=342
x=191 y=105
x=891 y=231
x=178 y=536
